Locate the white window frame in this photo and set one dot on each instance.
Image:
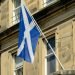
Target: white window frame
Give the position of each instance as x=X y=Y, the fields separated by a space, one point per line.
x=48 y=55
x=49 y=3
x=16 y=67
x=15 y=18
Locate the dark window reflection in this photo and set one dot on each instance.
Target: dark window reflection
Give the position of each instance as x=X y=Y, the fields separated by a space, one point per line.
x=51 y=62
x=19 y=71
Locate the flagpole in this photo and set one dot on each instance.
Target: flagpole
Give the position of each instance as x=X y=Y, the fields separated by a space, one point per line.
x=22 y=1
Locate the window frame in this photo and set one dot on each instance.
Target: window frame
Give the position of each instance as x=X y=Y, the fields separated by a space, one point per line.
x=49 y=55
x=16 y=12
x=46 y=3
x=19 y=66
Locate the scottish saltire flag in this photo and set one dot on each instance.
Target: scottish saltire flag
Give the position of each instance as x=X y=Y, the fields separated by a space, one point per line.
x=28 y=35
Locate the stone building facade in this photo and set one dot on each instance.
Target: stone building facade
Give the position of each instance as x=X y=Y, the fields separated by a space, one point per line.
x=57 y=21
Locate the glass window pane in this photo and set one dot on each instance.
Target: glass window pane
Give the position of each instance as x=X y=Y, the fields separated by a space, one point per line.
x=52 y=43
x=16 y=11
x=49 y=1
x=18 y=68
x=16 y=3
x=19 y=71
x=18 y=61
x=51 y=61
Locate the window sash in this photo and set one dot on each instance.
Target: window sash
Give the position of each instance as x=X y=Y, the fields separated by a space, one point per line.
x=18 y=65
x=50 y=57
x=19 y=71
x=50 y=2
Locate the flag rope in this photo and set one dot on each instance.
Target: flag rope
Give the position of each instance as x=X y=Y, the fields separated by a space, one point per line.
x=44 y=37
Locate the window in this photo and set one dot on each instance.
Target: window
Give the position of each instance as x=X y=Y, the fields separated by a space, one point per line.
x=51 y=61
x=16 y=3
x=18 y=65
x=49 y=2
x=16 y=11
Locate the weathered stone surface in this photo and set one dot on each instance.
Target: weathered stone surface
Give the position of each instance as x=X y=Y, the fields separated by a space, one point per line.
x=64 y=72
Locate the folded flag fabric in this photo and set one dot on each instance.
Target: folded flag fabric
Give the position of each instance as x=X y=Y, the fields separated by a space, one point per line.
x=28 y=35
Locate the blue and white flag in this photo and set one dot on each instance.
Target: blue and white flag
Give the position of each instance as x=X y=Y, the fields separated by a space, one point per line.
x=28 y=35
